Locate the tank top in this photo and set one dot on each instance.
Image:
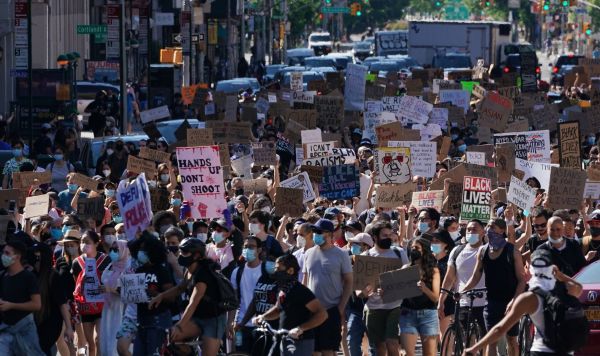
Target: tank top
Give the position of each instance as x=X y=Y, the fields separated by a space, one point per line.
x=420 y=302
x=500 y=277
x=537 y=318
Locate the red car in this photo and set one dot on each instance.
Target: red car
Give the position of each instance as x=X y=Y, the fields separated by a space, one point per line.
x=589 y=277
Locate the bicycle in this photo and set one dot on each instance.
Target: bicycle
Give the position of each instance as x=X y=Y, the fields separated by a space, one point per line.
x=526 y=332
x=455 y=341
x=266 y=329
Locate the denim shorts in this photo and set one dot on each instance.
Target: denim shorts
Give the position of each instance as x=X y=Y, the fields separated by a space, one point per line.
x=212 y=327
x=423 y=322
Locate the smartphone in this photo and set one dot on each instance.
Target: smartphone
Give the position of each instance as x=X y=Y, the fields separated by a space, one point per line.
x=12 y=206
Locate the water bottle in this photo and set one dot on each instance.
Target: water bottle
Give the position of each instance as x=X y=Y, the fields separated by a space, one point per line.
x=238 y=338
x=185 y=211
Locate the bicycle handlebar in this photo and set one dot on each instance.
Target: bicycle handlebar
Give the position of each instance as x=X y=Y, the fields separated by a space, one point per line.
x=472 y=293
x=266 y=327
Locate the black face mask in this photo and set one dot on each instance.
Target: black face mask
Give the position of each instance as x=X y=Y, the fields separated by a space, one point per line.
x=384 y=243
x=239 y=192
x=185 y=261
x=119 y=147
x=173 y=249
x=415 y=255
x=282 y=276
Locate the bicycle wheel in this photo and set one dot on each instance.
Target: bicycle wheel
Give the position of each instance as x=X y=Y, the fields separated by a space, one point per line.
x=525 y=338
x=475 y=333
x=450 y=343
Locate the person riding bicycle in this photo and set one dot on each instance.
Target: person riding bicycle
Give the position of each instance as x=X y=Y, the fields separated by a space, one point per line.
x=297 y=308
x=545 y=275
x=202 y=316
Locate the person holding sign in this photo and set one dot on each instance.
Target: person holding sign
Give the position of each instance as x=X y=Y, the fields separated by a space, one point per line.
x=14 y=164
x=419 y=315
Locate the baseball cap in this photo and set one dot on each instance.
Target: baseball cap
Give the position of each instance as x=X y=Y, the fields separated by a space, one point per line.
x=363 y=238
x=366 y=142
x=357 y=131
x=355 y=224
x=541 y=258
x=498 y=222
x=444 y=236
x=333 y=210
x=595 y=215
x=323 y=225
x=221 y=223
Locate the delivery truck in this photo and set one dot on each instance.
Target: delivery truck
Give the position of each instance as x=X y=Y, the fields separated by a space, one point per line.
x=478 y=39
x=391 y=42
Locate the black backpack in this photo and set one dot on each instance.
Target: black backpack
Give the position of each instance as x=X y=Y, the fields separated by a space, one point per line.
x=228 y=299
x=565 y=324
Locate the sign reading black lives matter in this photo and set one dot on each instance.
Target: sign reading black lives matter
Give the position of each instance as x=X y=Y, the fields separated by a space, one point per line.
x=476 y=199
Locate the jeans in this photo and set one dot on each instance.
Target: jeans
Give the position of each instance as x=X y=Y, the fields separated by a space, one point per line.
x=356 y=330
x=151 y=335
x=20 y=338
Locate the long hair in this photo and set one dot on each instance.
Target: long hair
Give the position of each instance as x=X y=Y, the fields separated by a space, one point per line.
x=428 y=263
x=45 y=277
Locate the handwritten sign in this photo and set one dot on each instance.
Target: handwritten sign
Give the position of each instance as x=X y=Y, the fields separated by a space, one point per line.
x=92 y=288
x=505 y=161
x=393 y=165
x=592 y=190
x=300 y=181
x=288 y=201
x=540 y=171
x=531 y=146
x=330 y=110
x=415 y=110
x=158 y=113
x=423 y=155
x=264 y=153
x=311 y=136
x=366 y=270
x=569 y=144
x=36 y=206
x=453 y=200
x=315 y=173
x=230 y=132
x=25 y=180
x=135 y=205
x=476 y=199
x=393 y=195
x=85 y=182
x=139 y=165
x=521 y=194
x=7 y=196
x=296 y=81
x=566 y=188
x=460 y=98
x=159 y=198
x=340 y=182
x=428 y=199
x=90 y=207
x=199 y=137
x=133 y=288
x=476 y=158
x=318 y=149
x=258 y=185
x=495 y=110
x=400 y=284
x=154 y=155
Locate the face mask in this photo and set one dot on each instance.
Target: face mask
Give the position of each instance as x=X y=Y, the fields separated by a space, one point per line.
x=202 y=236
x=319 y=239
x=454 y=137
x=270 y=267
x=335 y=224
x=462 y=148
x=142 y=257
x=542 y=277
x=415 y=255
x=249 y=254
x=151 y=184
x=72 y=251
x=190 y=225
x=355 y=250
x=164 y=178
x=65 y=228
x=300 y=241
x=173 y=249
x=595 y=231
x=384 y=243
x=254 y=228
x=591 y=140
x=118 y=219
x=497 y=241
x=114 y=256
x=423 y=227
x=17 y=152
x=55 y=233
x=110 y=193
x=455 y=235
x=555 y=241
x=436 y=249
x=58 y=157
x=109 y=239
x=185 y=261
x=106 y=172
x=176 y=202
x=7 y=260
x=282 y=276
x=472 y=239
x=122 y=237
x=217 y=237
x=85 y=248
x=348 y=235
x=109 y=151
x=72 y=188
x=266 y=209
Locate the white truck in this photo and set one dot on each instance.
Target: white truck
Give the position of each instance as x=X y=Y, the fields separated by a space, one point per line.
x=320 y=42
x=391 y=42
x=478 y=39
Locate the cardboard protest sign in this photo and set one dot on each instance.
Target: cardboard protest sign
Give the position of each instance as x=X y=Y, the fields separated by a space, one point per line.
x=139 y=165
x=133 y=288
x=476 y=158
x=92 y=288
x=428 y=199
x=521 y=194
x=393 y=195
x=330 y=110
x=331 y=160
x=494 y=111
x=373 y=120
x=258 y=185
x=453 y=200
x=505 y=161
x=366 y=270
x=264 y=153
x=187 y=94
x=311 y=136
x=300 y=181
x=531 y=146
x=566 y=188
x=443 y=146
x=154 y=155
x=230 y=132
x=296 y=81
x=199 y=137
x=423 y=155
x=388 y=132
x=303 y=97
x=154 y=114
x=354 y=90
x=592 y=190
x=288 y=201
x=160 y=199
x=90 y=207
x=224 y=155
x=318 y=149
x=135 y=205
x=85 y=182
x=202 y=180
x=456 y=174
x=315 y=173
x=545 y=118
x=400 y=284
x=477 y=197
x=393 y=165
x=569 y=144
x=36 y=205
x=7 y=196
x=415 y=110
x=25 y=180
x=340 y=182
x=304 y=117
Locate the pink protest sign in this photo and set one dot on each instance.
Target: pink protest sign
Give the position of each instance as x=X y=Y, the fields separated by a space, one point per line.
x=202 y=180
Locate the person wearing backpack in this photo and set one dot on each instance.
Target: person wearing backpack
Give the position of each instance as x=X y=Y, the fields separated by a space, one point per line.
x=90 y=312
x=59 y=169
x=551 y=292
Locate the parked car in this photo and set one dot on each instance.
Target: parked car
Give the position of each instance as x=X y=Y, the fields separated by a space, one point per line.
x=320 y=42
x=233 y=86
x=565 y=59
x=306 y=77
x=589 y=277
x=341 y=59
x=362 y=50
x=311 y=62
x=270 y=72
x=295 y=56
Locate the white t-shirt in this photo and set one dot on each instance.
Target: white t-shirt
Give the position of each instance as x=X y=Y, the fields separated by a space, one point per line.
x=249 y=279
x=465 y=265
x=300 y=256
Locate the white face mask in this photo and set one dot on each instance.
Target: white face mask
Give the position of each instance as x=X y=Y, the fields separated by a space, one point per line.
x=109 y=151
x=266 y=209
x=555 y=241
x=254 y=228
x=152 y=184
x=455 y=235
x=106 y=172
x=300 y=241
x=109 y=239
x=542 y=277
x=348 y=235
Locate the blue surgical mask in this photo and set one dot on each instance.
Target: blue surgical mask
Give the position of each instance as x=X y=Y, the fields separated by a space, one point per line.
x=142 y=257
x=462 y=148
x=454 y=137
x=472 y=239
x=59 y=156
x=318 y=239
x=56 y=233
x=217 y=237
x=202 y=236
x=7 y=260
x=249 y=254
x=64 y=230
x=110 y=193
x=164 y=178
x=270 y=267
x=423 y=227
x=114 y=256
x=355 y=250
x=17 y=152
x=117 y=219
x=176 y=202
x=72 y=188
x=190 y=225
x=591 y=140
x=436 y=249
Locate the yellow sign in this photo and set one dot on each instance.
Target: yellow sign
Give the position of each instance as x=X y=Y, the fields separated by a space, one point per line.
x=63 y=92
x=212 y=33
x=171 y=55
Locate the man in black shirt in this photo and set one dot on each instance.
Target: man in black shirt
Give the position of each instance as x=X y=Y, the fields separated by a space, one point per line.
x=19 y=298
x=539 y=224
x=566 y=254
x=591 y=243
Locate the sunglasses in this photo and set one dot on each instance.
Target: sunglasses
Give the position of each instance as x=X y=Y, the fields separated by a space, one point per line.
x=539 y=226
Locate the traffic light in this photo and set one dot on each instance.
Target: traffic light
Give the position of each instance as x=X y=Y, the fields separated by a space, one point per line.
x=321 y=17
x=587 y=28
x=327 y=2
x=546 y=5
x=487 y=3
x=439 y=4
x=565 y=3
x=358 y=9
x=572 y=3
x=355 y=9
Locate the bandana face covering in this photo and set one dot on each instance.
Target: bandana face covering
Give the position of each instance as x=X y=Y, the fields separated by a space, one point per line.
x=542 y=277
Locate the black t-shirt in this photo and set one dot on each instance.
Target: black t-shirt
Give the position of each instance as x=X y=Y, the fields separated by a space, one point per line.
x=265 y=294
x=156 y=277
x=534 y=242
x=49 y=329
x=272 y=247
x=17 y=289
x=207 y=308
x=293 y=309
x=568 y=260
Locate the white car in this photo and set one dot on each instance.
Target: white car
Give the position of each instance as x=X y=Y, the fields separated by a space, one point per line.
x=320 y=42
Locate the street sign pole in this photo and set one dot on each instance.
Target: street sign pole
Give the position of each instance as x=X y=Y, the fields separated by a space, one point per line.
x=29 y=75
x=122 y=63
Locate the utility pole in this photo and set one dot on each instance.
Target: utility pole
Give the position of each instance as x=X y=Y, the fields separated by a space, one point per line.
x=122 y=65
x=29 y=75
